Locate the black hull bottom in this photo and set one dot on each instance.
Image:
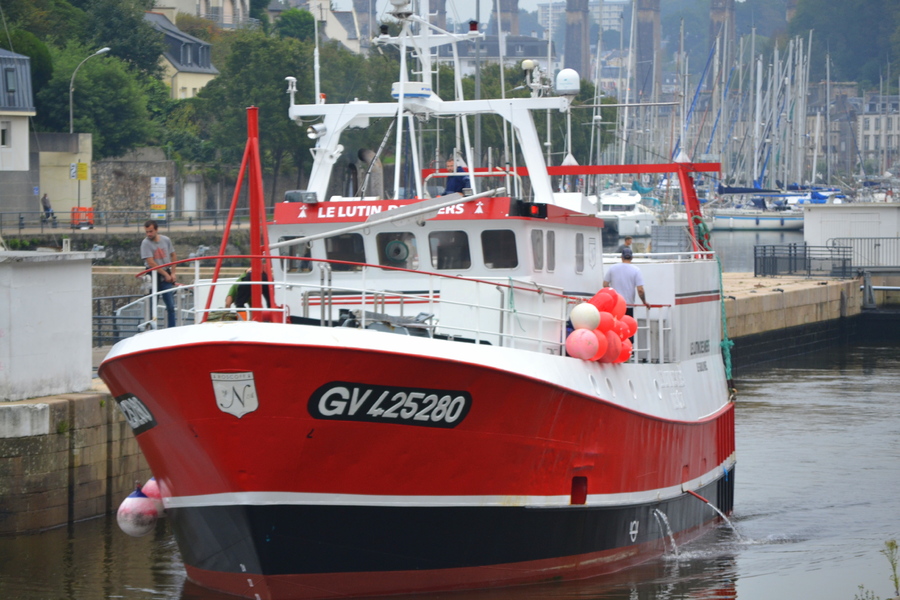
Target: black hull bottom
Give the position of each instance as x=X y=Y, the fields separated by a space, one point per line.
x=272 y=540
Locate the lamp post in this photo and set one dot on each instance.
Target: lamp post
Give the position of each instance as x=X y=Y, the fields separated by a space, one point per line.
x=72 y=83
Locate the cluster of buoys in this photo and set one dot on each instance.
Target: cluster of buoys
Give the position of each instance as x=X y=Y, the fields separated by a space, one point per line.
x=601 y=329
x=138 y=513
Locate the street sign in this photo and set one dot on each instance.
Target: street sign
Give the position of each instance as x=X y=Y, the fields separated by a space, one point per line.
x=158 y=199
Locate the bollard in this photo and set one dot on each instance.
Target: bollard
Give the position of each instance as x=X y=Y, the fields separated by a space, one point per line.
x=190 y=221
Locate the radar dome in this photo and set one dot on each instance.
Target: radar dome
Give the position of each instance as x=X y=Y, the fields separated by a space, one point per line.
x=568 y=83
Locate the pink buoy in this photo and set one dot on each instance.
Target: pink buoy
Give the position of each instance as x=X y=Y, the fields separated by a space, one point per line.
x=151 y=490
x=607 y=322
x=603 y=300
x=625 y=354
x=618 y=310
x=613 y=347
x=137 y=515
x=632 y=324
x=621 y=329
x=581 y=343
x=602 y=343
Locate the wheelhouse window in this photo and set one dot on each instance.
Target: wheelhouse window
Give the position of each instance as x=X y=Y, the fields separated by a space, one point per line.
x=537 y=249
x=347 y=247
x=579 y=253
x=298 y=251
x=551 y=251
x=499 y=249
x=398 y=249
x=449 y=250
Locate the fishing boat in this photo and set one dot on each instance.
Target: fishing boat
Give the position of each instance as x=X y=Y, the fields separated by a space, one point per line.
x=396 y=409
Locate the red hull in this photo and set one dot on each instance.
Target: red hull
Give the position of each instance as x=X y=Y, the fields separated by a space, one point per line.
x=526 y=464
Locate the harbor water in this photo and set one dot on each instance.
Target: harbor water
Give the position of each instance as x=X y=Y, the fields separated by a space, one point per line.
x=817 y=496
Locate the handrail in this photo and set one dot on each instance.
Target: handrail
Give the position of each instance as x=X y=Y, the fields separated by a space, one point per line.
x=546 y=325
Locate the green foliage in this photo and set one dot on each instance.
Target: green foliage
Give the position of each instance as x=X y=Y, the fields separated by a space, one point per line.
x=296 y=23
x=109 y=101
x=25 y=42
x=63 y=427
x=857 y=33
x=49 y=20
x=120 y=25
x=890 y=552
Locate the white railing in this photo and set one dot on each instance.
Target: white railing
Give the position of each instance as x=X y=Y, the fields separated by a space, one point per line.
x=502 y=312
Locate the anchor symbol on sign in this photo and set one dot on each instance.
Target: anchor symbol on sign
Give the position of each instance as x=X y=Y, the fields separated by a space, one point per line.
x=633 y=530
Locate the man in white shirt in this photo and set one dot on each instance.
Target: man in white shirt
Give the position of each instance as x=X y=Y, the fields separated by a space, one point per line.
x=626 y=279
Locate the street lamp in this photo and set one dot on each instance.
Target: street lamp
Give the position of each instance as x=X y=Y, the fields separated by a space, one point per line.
x=72 y=83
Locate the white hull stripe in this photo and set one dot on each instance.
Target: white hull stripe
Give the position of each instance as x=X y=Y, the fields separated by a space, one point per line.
x=300 y=498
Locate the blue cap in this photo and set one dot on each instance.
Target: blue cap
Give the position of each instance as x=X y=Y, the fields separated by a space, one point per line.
x=627 y=253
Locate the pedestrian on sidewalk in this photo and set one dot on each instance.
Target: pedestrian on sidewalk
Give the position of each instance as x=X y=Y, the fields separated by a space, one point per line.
x=156 y=250
x=47 y=208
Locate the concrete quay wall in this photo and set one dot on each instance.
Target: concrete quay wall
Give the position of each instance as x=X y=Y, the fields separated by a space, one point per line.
x=63 y=459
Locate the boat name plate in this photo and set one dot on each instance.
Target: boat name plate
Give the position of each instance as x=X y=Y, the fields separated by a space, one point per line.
x=139 y=417
x=423 y=407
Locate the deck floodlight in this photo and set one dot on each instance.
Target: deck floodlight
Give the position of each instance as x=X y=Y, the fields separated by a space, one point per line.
x=316 y=131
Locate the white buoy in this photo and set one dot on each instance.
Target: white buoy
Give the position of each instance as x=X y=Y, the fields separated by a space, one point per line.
x=151 y=490
x=585 y=316
x=137 y=515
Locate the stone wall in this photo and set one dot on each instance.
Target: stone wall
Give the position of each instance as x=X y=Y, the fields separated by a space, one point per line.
x=63 y=459
x=124 y=185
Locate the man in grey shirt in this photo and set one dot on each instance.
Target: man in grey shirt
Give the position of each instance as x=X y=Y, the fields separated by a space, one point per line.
x=157 y=249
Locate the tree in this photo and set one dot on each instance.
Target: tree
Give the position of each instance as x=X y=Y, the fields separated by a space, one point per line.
x=296 y=23
x=120 y=25
x=25 y=42
x=856 y=33
x=49 y=20
x=253 y=75
x=108 y=102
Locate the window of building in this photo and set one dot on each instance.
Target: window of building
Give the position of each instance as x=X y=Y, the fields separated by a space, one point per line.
x=9 y=76
x=499 y=249
x=5 y=134
x=398 y=249
x=449 y=250
x=537 y=249
x=298 y=251
x=347 y=247
x=878 y=124
x=579 y=253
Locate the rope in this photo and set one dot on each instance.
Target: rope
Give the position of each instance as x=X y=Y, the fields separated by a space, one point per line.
x=726 y=343
x=511 y=303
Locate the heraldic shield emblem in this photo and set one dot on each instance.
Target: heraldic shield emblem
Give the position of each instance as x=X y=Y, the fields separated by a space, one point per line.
x=235 y=392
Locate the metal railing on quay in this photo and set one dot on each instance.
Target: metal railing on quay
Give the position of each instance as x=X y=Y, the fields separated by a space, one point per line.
x=35 y=222
x=110 y=325
x=802 y=260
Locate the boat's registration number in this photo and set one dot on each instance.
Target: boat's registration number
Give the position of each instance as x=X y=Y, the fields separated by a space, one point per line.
x=340 y=400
